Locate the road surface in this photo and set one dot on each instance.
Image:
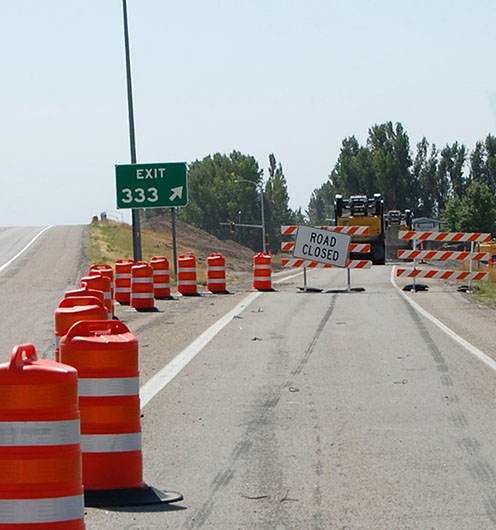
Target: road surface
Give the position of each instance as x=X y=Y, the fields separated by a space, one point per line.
x=308 y=411
x=32 y=285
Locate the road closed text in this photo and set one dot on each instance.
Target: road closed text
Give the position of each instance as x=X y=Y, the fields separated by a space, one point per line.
x=323 y=246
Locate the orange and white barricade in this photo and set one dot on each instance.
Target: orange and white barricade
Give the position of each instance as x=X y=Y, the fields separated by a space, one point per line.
x=41 y=484
x=142 y=298
x=84 y=292
x=262 y=272
x=161 y=277
x=216 y=273
x=105 y=353
x=123 y=281
x=108 y=272
x=186 y=275
x=101 y=283
x=72 y=310
x=442 y=255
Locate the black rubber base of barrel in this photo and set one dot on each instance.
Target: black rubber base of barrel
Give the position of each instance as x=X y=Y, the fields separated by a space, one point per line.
x=144 y=496
x=310 y=289
x=347 y=290
x=146 y=309
x=416 y=287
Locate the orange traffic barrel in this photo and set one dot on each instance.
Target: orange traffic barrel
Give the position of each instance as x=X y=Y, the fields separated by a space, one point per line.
x=72 y=310
x=100 y=283
x=262 y=272
x=216 y=274
x=105 y=354
x=41 y=485
x=142 y=298
x=85 y=291
x=123 y=281
x=108 y=272
x=186 y=275
x=161 y=277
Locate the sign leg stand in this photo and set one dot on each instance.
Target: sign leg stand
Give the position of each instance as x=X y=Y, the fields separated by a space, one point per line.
x=305 y=287
x=414 y=286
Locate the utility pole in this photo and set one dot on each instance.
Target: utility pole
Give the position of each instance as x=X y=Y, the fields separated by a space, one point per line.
x=138 y=256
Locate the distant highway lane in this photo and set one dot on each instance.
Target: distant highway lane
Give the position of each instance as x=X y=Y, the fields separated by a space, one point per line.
x=32 y=285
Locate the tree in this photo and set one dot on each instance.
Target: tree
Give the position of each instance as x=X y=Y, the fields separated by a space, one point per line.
x=474 y=212
x=219 y=190
x=424 y=173
x=353 y=172
x=390 y=150
x=321 y=205
x=277 y=210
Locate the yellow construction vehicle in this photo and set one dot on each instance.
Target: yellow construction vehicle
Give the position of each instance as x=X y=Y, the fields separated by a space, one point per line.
x=359 y=210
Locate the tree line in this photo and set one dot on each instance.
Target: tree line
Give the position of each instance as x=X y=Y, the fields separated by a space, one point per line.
x=226 y=191
x=453 y=184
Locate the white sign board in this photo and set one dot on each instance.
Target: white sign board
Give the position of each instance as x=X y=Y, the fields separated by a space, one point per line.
x=323 y=246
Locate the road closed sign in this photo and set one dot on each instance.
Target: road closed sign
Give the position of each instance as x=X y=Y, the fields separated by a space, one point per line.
x=323 y=246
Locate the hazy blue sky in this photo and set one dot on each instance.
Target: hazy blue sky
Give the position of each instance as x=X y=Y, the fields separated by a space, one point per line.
x=289 y=77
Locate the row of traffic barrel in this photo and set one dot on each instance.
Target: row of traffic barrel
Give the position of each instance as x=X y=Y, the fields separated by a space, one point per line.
x=70 y=429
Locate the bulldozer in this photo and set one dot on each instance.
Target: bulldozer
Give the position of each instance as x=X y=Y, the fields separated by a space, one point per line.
x=360 y=210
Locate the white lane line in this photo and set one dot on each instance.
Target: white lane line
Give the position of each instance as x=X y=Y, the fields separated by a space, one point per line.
x=11 y=260
x=155 y=384
x=465 y=344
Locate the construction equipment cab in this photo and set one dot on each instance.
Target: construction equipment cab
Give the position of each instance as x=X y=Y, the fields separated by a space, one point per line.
x=359 y=210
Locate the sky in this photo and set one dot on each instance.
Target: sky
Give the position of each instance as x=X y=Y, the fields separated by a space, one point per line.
x=289 y=77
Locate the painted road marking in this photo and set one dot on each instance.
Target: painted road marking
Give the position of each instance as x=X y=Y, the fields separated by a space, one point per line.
x=11 y=260
x=465 y=344
x=162 y=378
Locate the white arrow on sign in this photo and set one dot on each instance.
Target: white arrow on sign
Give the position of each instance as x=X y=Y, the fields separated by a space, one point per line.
x=176 y=192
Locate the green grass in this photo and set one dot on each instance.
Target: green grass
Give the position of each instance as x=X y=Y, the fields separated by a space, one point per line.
x=485 y=291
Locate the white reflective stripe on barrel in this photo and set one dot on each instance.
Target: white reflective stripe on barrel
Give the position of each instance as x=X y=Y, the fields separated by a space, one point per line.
x=186 y=282
x=216 y=280
x=141 y=295
x=186 y=269
x=216 y=268
x=32 y=511
x=162 y=285
x=112 y=386
x=122 y=289
x=110 y=443
x=161 y=272
x=262 y=266
x=123 y=276
x=39 y=433
x=106 y=295
x=142 y=280
x=110 y=316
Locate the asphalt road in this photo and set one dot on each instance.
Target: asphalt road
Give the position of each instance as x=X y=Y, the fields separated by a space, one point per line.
x=32 y=285
x=312 y=411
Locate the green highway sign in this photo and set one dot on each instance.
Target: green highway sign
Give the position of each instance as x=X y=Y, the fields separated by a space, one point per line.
x=160 y=185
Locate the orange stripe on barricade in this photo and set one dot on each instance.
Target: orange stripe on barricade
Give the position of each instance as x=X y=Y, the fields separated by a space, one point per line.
x=142 y=298
x=350 y=264
x=74 y=309
x=105 y=354
x=100 y=283
x=123 y=280
x=262 y=272
x=442 y=255
x=442 y=274
x=186 y=275
x=216 y=273
x=40 y=454
x=161 y=277
x=444 y=236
